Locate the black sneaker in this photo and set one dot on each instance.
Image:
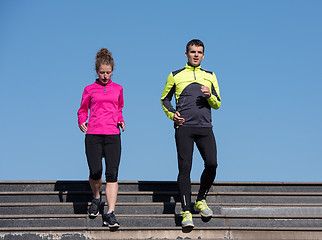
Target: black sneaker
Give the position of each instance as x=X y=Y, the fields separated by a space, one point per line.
x=109 y=220
x=93 y=209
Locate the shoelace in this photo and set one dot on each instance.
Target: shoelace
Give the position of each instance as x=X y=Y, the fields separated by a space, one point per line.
x=94 y=205
x=202 y=205
x=185 y=214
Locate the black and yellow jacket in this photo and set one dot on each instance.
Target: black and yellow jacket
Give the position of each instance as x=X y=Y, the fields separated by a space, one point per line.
x=191 y=103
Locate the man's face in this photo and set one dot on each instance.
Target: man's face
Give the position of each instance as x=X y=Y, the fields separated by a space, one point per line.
x=195 y=55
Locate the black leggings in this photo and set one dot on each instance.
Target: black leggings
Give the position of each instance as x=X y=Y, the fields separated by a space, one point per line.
x=99 y=146
x=206 y=144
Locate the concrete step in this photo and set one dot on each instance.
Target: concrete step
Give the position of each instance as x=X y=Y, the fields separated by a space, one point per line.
x=214 y=233
x=63 y=186
x=218 y=197
x=161 y=220
x=160 y=208
x=263 y=210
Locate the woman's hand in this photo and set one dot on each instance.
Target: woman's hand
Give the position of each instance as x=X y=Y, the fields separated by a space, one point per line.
x=83 y=126
x=122 y=125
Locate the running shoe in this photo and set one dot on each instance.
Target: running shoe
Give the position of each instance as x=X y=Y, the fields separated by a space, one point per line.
x=202 y=208
x=109 y=220
x=186 y=219
x=93 y=209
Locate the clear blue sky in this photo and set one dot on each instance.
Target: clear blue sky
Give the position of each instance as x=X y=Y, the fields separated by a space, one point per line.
x=267 y=56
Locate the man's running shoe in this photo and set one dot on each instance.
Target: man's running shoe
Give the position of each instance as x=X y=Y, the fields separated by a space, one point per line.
x=202 y=208
x=186 y=219
x=109 y=220
x=93 y=209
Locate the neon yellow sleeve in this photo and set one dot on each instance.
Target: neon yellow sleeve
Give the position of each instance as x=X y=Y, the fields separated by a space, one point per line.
x=166 y=97
x=214 y=100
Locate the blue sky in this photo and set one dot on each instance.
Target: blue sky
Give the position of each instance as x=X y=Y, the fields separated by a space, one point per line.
x=266 y=54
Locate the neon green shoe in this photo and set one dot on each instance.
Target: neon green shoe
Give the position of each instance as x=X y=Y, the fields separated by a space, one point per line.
x=202 y=208
x=186 y=219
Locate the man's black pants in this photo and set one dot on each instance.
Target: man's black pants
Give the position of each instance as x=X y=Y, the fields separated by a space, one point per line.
x=206 y=144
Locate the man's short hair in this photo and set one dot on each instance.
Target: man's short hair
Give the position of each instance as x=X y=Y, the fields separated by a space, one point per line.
x=195 y=42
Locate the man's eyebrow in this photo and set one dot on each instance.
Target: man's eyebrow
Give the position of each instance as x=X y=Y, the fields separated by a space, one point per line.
x=192 y=51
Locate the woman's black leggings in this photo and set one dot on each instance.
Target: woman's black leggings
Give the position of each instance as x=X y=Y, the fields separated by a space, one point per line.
x=206 y=144
x=99 y=146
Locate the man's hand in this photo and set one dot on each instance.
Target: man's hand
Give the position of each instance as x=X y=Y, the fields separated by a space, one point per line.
x=83 y=126
x=177 y=119
x=206 y=91
x=122 y=125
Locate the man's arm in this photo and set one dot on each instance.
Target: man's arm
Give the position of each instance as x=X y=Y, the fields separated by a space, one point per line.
x=214 y=99
x=166 y=97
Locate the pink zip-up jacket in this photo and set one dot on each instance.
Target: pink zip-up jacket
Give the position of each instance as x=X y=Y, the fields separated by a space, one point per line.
x=105 y=103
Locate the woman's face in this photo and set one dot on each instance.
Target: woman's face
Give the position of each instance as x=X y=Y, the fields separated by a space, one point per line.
x=104 y=73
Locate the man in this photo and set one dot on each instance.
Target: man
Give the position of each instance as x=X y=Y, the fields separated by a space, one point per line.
x=196 y=91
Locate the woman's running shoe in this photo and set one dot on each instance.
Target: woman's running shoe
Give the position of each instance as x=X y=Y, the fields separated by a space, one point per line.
x=110 y=221
x=93 y=209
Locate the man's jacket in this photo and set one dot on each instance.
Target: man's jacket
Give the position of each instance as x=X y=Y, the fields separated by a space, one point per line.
x=191 y=103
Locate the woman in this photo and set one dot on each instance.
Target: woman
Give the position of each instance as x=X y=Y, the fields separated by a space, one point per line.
x=104 y=99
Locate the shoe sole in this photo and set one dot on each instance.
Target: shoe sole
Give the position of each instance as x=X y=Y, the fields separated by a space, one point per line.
x=111 y=226
x=187 y=225
x=209 y=215
x=114 y=226
x=203 y=215
x=93 y=215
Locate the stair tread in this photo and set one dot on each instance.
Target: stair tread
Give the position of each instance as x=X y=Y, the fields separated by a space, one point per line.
x=162 y=182
x=162 y=204
x=28 y=216
x=167 y=193
x=158 y=228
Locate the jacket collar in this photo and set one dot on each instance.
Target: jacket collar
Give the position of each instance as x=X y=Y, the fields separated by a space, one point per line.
x=190 y=67
x=102 y=84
